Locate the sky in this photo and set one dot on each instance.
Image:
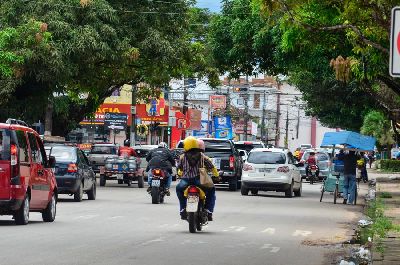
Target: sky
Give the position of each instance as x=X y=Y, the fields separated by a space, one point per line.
x=213 y=5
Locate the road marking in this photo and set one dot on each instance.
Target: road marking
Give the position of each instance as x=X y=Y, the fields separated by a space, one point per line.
x=301 y=233
x=269 y=230
x=160 y=239
x=269 y=246
x=86 y=217
x=235 y=228
x=116 y=217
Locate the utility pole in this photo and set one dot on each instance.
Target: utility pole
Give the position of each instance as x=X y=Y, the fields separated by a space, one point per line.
x=298 y=122
x=287 y=128
x=185 y=103
x=228 y=99
x=278 y=115
x=263 y=118
x=246 y=109
x=133 y=117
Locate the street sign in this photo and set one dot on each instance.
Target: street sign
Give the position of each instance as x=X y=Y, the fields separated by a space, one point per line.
x=133 y=109
x=394 y=64
x=115 y=121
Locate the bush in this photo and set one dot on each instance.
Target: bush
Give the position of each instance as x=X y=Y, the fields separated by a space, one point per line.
x=390 y=165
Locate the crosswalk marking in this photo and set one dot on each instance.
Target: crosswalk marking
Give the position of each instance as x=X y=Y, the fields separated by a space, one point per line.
x=235 y=228
x=301 y=233
x=269 y=246
x=269 y=230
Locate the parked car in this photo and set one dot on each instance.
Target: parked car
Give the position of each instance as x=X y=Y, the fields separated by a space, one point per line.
x=271 y=169
x=27 y=182
x=226 y=158
x=99 y=153
x=142 y=151
x=73 y=172
x=248 y=145
x=323 y=162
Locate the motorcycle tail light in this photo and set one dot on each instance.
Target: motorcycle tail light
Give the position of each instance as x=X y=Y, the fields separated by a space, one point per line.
x=72 y=168
x=193 y=189
x=284 y=169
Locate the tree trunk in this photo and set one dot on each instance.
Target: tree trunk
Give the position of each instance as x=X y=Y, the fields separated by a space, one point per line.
x=48 y=123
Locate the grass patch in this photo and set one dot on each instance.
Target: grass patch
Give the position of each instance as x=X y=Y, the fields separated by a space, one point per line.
x=386 y=195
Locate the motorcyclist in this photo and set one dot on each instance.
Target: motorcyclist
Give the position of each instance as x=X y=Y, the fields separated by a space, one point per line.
x=126 y=150
x=312 y=161
x=188 y=169
x=162 y=158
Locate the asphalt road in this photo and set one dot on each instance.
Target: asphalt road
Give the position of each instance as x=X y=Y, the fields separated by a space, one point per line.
x=123 y=227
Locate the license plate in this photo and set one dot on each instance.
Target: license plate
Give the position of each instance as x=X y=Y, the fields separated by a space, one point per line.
x=217 y=162
x=155 y=183
x=192 y=204
x=115 y=167
x=267 y=170
x=120 y=176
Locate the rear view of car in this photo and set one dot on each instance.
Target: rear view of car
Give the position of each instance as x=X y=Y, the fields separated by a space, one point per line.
x=99 y=153
x=27 y=182
x=248 y=145
x=271 y=170
x=323 y=162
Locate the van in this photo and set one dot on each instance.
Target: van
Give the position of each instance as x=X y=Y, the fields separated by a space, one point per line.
x=27 y=181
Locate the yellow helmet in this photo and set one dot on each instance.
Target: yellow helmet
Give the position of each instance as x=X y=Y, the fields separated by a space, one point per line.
x=190 y=143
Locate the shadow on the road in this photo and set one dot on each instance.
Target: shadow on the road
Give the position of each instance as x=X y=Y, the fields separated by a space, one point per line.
x=12 y=223
x=204 y=232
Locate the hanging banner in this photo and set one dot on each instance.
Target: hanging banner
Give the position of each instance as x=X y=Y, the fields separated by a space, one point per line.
x=194 y=116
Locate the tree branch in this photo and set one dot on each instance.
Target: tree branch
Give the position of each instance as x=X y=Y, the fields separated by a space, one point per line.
x=390 y=83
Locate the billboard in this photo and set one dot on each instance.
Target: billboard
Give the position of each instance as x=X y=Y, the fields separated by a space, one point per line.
x=98 y=118
x=223 y=127
x=217 y=101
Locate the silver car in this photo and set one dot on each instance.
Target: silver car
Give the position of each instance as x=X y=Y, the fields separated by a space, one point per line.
x=323 y=161
x=142 y=151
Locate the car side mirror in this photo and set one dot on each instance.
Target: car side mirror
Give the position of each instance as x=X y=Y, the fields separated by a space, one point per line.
x=242 y=153
x=52 y=162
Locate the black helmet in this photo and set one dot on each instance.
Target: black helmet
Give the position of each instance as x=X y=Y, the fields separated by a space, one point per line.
x=127 y=142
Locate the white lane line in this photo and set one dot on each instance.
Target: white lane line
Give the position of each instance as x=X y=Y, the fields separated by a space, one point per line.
x=301 y=233
x=116 y=217
x=235 y=228
x=269 y=246
x=86 y=217
x=269 y=230
x=160 y=239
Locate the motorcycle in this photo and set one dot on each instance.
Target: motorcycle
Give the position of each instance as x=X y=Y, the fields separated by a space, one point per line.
x=313 y=171
x=196 y=213
x=158 y=184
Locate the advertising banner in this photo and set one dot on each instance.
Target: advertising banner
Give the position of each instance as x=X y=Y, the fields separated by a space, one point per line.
x=204 y=131
x=114 y=108
x=217 y=101
x=223 y=127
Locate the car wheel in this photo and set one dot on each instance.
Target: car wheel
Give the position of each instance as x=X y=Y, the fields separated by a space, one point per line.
x=92 y=192
x=298 y=192
x=49 y=214
x=244 y=191
x=233 y=186
x=21 y=216
x=254 y=192
x=289 y=191
x=79 y=194
x=102 y=180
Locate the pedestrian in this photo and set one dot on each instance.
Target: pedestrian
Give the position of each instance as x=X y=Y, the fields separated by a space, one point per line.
x=349 y=172
x=364 y=173
x=371 y=158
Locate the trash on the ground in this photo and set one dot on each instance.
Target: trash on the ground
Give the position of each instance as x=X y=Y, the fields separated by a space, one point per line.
x=363 y=254
x=364 y=223
x=344 y=262
x=394 y=177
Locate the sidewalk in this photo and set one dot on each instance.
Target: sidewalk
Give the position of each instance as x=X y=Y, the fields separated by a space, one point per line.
x=384 y=183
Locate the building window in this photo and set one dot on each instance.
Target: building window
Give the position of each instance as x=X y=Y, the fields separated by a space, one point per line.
x=256 y=103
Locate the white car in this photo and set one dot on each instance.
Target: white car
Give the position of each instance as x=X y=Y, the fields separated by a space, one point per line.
x=271 y=169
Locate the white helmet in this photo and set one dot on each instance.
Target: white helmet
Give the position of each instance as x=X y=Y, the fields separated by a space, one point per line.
x=163 y=145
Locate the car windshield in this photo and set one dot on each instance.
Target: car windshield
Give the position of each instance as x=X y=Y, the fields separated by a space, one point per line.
x=266 y=158
x=63 y=153
x=320 y=156
x=104 y=150
x=248 y=147
x=216 y=145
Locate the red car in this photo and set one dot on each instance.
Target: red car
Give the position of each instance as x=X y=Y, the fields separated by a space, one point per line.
x=27 y=181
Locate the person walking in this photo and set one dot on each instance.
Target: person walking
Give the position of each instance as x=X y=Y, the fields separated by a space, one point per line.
x=349 y=172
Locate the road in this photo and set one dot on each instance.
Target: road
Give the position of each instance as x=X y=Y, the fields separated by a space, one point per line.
x=123 y=227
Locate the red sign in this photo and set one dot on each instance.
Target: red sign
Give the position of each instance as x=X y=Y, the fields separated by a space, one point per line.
x=194 y=116
x=218 y=102
x=142 y=113
x=99 y=114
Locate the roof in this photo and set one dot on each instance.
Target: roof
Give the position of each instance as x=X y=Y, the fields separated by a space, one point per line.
x=17 y=127
x=277 y=150
x=144 y=146
x=247 y=142
x=104 y=144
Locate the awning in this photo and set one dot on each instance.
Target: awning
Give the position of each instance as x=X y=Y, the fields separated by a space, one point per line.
x=350 y=140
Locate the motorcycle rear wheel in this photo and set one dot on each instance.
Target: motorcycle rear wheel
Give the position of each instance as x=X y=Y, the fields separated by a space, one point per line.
x=192 y=222
x=155 y=195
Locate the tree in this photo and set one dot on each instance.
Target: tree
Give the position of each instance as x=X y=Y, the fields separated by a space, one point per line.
x=377 y=125
x=94 y=48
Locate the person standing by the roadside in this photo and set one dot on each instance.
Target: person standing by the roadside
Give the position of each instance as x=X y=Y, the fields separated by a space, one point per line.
x=371 y=156
x=350 y=170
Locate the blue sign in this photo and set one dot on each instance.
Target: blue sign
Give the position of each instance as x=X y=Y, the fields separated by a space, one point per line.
x=222 y=123
x=204 y=131
x=223 y=133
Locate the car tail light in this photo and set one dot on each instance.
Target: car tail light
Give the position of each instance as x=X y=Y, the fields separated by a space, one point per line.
x=14 y=160
x=72 y=168
x=247 y=167
x=193 y=189
x=284 y=169
x=232 y=162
